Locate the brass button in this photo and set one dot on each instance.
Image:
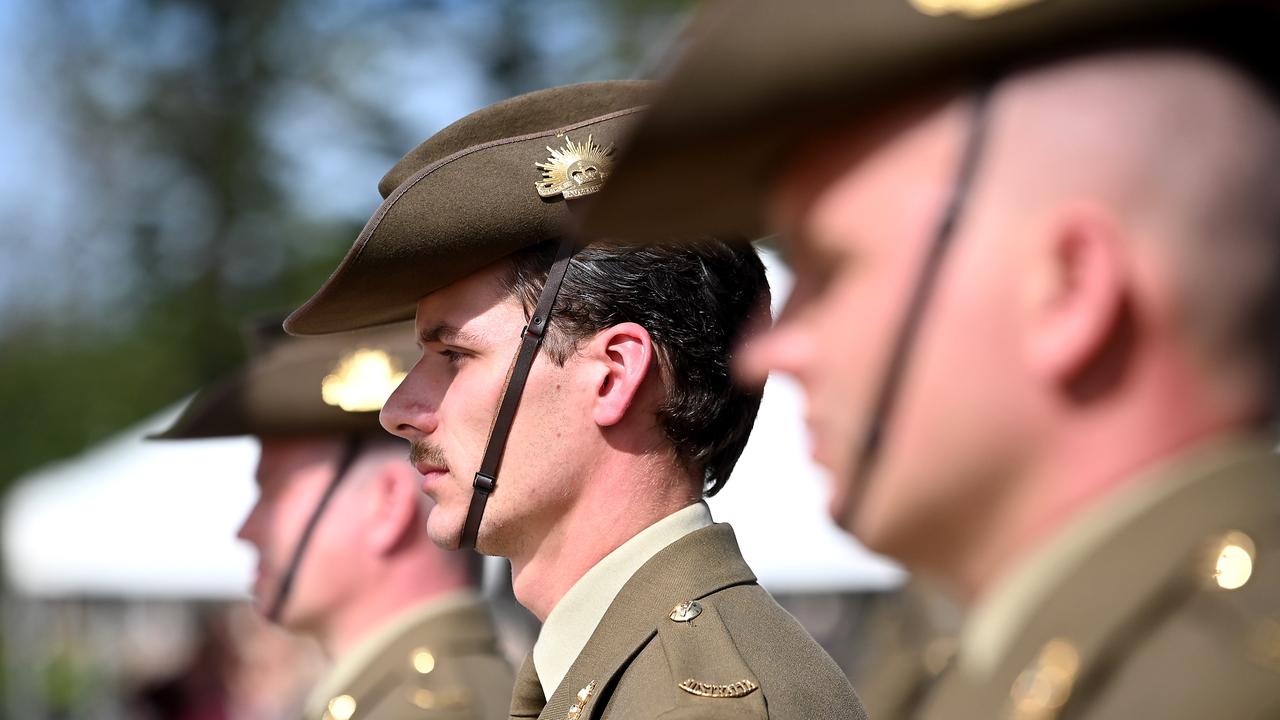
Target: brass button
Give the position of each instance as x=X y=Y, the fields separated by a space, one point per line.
x=1231 y=556
x=342 y=707
x=423 y=661
x=1043 y=689
x=424 y=699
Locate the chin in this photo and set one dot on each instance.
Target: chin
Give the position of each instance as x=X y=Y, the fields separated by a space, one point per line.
x=860 y=520
x=840 y=508
x=445 y=532
x=260 y=609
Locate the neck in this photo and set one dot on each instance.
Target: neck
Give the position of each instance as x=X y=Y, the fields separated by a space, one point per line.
x=402 y=585
x=1076 y=473
x=617 y=502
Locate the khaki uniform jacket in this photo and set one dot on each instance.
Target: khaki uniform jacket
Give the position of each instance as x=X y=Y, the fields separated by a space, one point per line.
x=447 y=666
x=731 y=652
x=1178 y=615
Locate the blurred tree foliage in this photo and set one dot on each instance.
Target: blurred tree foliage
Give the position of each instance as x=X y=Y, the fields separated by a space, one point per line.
x=209 y=147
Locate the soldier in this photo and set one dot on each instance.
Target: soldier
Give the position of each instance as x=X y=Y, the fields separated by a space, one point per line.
x=340 y=531
x=627 y=419
x=1037 y=271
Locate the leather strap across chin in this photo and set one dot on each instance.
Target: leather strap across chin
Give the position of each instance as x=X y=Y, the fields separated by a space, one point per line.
x=350 y=451
x=486 y=479
x=900 y=354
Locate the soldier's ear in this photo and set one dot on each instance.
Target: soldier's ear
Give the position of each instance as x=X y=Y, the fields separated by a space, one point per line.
x=392 y=507
x=1079 y=290
x=620 y=358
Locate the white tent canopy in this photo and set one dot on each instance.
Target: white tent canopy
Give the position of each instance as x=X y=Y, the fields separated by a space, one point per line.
x=134 y=517
x=140 y=518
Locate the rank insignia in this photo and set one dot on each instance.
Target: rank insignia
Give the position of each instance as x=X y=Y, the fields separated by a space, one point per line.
x=575 y=710
x=575 y=170
x=685 y=611
x=718 y=690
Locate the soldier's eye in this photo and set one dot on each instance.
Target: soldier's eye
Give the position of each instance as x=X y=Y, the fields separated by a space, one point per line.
x=453 y=357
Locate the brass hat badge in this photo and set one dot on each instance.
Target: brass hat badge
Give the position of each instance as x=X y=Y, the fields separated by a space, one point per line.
x=575 y=170
x=972 y=9
x=362 y=381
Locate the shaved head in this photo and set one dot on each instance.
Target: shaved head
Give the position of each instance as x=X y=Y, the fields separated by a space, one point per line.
x=1186 y=150
x=1109 y=296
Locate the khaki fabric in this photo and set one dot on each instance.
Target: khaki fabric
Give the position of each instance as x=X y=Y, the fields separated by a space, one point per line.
x=909 y=640
x=465 y=198
x=1141 y=628
x=740 y=642
x=446 y=666
x=569 y=626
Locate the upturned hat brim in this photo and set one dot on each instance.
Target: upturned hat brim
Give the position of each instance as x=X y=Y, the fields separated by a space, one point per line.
x=463 y=199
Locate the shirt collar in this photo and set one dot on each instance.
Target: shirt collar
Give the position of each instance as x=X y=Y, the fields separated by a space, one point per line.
x=573 y=619
x=999 y=617
x=347 y=668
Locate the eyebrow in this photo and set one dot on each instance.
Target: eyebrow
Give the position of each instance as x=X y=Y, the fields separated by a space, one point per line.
x=447 y=334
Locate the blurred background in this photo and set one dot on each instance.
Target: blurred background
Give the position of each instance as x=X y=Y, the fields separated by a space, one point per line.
x=171 y=167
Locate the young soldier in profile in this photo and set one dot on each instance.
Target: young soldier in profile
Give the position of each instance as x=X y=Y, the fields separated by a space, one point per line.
x=571 y=408
x=340 y=528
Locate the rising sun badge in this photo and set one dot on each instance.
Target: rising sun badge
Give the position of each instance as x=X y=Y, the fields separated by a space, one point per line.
x=575 y=170
x=362 y=381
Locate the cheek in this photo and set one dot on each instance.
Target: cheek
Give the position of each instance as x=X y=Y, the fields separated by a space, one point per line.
x=971 y=343
x=854 y=328
x=466 y=414
x=276 y=522
x=965 y=365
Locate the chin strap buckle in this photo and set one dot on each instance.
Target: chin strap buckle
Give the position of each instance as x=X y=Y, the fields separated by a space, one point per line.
x=484 y=483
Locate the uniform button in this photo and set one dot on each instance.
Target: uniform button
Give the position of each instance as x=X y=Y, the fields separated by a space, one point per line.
x=423 y=661
x=342 y=707
x=1042 y=689
x=424 y=699
x=1232 y=557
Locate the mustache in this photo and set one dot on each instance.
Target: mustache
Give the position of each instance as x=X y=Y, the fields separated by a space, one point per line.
x=425 y=453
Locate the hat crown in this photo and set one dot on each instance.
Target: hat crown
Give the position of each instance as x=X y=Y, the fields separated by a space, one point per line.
x=536 y=112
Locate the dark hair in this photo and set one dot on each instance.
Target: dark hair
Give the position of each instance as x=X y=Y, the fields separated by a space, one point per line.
x=694 y=299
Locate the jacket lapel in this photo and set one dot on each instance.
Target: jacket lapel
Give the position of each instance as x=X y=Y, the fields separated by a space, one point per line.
x=699 y=564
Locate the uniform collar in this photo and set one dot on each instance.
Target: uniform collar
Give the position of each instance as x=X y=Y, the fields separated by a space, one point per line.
x=347 y=668
x=573 y=619
x=699 y=564
x=999 y=618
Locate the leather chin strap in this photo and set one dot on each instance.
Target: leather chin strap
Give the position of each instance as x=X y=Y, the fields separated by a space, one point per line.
x=350 y=451
x=486 y=479
x=926 y=282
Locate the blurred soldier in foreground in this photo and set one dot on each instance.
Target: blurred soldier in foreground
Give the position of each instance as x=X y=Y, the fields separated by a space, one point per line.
x=1036 y=251
x=341 y=532
x=629 y=416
